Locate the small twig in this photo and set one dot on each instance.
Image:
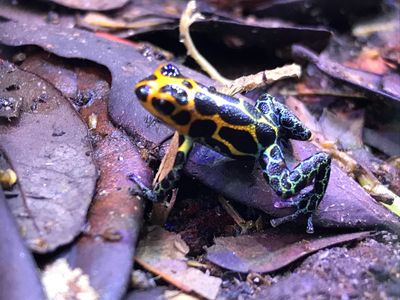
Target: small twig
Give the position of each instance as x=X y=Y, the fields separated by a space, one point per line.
x=322 y=93
x=242 y=223
x=367 y=181
x=261 y=79
x=188 y=17
x=101 y=20
x=167 y=277
x=196 y=264
x=380 y=192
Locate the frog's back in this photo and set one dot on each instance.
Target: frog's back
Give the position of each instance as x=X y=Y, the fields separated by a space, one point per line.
x=230 y=125
x=227 y=124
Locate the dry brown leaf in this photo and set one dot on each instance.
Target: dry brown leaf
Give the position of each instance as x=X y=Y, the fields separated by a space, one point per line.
x=163 y=253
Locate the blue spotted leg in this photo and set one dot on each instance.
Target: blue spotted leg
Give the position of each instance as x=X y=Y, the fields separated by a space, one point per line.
x=288 y=183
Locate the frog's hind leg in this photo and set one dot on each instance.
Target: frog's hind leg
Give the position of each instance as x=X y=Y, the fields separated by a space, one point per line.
x=161 y=189
x=288 y=183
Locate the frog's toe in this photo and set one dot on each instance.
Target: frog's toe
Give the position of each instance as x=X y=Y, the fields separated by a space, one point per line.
x=137 y=181
x=310 y=225
x=134 y=178
x=141 y=190
x=308 y=201
x=150 y=195
x=285 y=203
x=144 y=192
x=278 y=221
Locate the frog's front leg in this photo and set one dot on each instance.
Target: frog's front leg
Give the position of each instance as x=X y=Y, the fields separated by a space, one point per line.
x=161 y=189
x=290 y=127
x=288 y=183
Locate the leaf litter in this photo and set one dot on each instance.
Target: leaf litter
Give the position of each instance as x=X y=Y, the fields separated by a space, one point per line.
x=53 y=193
x=237 y=181
x=164 y=253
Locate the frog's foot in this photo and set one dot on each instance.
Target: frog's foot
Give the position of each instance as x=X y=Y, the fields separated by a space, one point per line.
x=306 y=205
x=278 y=221
x=141 y=189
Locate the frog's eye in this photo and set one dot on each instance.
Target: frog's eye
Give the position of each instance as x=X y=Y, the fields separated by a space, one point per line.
x=170 y=70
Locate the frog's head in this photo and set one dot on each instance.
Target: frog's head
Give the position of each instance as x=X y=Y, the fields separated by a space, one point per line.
x=167 y=95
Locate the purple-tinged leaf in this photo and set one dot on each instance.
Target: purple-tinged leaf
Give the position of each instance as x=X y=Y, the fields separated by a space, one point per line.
x=272 y=250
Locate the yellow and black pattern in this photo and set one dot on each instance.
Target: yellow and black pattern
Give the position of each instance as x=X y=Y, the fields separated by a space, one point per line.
x=237 y=129
x=229 y=125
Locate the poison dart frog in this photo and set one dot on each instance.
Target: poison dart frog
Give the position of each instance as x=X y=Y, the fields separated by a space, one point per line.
x=237 y=129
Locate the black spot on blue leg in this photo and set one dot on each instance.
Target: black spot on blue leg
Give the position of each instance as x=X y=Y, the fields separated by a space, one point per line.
x=275 y=183
x=141 y=189
x=286 y=184
x=276 y=153
x=287 y=122
x=255 y=113
x=170 y=181
x=295 y=176
x=265 y=104
x=275 y=168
